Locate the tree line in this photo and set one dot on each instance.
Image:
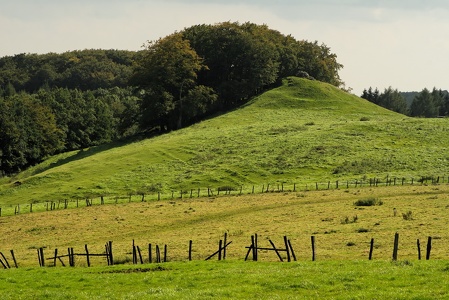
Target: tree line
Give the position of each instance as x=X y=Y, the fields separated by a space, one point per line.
x=427 y=104
x=51 y=103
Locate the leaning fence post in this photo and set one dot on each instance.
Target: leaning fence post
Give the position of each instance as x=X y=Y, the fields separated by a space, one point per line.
x=6 y=261
x=14 y=258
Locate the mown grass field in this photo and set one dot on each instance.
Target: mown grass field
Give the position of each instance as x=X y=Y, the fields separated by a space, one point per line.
x=302 y=132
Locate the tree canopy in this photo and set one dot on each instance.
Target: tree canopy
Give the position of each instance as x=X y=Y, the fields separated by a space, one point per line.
x=51 y=103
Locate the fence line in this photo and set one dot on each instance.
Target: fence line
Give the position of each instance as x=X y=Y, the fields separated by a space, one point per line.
x=214 y=192
x=254 y=248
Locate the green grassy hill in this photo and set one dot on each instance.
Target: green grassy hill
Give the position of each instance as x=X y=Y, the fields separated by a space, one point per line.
x=302 y=132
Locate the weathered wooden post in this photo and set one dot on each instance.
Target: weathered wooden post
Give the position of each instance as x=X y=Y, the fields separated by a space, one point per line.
x=14 y=258
x=140 y=255
x=225 y=242
x=396 y=246
x=291 y=250
x=6 y=261
x=111 y=257
x=313 y=247
x=87 y=255
x=54 y=259
x=286 y=248
x=190 y=250
x=220 y=245
x=419 y=249
x=429 y=247
x=150 y=254
x=371 y=249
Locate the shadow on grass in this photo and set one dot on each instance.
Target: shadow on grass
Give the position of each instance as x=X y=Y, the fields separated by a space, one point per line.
x=93 y=150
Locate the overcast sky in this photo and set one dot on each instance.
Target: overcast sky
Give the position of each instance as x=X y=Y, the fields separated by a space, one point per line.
x=381 y=43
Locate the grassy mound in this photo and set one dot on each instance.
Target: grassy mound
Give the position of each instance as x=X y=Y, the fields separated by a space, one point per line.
x=302 y=132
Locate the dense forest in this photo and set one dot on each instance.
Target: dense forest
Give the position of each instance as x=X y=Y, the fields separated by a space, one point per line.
x=51 y=103
x=427 y=104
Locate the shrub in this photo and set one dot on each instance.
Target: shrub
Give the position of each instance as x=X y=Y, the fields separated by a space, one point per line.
x=408 y=215
x=364 y=119
x=361 y=230
x=368 y=202
x=349 y=244
x=347 y=220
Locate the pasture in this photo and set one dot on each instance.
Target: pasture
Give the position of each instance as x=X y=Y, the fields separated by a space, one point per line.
x=341 y=270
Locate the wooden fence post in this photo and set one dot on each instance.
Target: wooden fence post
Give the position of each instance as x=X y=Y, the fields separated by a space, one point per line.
x=371 y=249
x=165 y=253
x=150 y=254
x=87 y=255
x=395 y=246
x=419 y=249
x=41 y=252
x=286 y=248
x=190 y=250
x=291 y=250
x=6 y=261
x=225 y=241
x=14 y=258
x=111 y=257
x=140 y=255
x=220 y=244
x=429 y=247
x=54 y=259
x=276 y=250
x=313 y=247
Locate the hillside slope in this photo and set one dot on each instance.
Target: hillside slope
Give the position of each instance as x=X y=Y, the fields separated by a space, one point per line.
x=302 y=132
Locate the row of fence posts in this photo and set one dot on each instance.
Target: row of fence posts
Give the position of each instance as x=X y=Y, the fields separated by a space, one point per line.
x=136 y=252
x=71 y=256
x=373 y=182
x=396 y=247
x=253 y=249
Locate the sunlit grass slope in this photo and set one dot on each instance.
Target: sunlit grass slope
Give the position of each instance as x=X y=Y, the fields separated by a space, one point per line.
x=304 y=131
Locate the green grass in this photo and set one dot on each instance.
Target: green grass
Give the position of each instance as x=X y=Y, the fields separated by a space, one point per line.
x=234 y=280
x=302 y=132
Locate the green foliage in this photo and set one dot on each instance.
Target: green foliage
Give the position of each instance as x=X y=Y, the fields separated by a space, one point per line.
x=166 y=72
x=390 y=99
x=85 y=70
x=368 y=202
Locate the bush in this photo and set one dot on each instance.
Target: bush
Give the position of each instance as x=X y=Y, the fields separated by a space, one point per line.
x=361 y=230
x=408 y=215
x=368 y=202
x=363 y=119
x=347 y=220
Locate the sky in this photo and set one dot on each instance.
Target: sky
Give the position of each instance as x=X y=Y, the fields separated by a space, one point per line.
x=381 y=43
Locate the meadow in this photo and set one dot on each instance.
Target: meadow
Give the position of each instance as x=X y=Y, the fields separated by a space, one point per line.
x=341 y=270
x=302 y=133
